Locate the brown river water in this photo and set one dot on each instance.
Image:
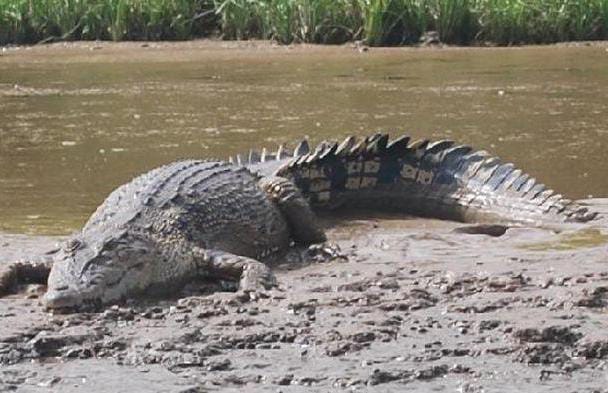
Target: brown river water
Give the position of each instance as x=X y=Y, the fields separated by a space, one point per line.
x=77 y=120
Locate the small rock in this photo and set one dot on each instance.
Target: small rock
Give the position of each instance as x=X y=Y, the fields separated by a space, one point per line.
x=50 y=382
x=285 y=380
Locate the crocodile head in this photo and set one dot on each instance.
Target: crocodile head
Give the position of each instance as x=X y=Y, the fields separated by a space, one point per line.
x=87 y=274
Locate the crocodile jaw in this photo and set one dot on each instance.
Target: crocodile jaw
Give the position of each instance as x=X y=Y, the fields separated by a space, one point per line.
x=62 y=299
x=66 y=293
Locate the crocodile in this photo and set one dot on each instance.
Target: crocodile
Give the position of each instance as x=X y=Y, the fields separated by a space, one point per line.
x=232 y=219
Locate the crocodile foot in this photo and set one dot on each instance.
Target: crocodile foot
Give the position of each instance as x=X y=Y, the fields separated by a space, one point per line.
x=324 y=252
x=236 y=298
x=256 y=276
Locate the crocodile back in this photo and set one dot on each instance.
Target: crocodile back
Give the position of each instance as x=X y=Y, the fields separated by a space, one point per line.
x=212 y=204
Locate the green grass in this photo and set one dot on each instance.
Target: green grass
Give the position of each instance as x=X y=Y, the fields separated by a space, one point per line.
x=27 y=21
x=377 y=22
x=455 y=20
x=394 y=22
x=542 y=21
x=287 y=21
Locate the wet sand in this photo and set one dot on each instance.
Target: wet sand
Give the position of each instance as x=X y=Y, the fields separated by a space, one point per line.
x=415 y=305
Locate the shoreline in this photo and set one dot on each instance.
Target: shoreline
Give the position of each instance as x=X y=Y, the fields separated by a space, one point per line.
x=254 y=44
x=231 y=51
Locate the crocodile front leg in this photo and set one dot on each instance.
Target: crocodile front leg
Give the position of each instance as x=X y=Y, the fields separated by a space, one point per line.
x=252 y=274
x=17 y=273
x=303 y=223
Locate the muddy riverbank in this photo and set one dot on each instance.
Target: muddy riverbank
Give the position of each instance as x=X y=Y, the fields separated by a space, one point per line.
x=415 y=305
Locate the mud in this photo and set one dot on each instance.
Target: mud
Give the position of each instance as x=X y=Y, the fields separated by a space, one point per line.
x=417 y=304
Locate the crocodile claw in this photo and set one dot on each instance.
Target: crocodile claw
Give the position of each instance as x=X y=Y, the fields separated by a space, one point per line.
x=325 y=252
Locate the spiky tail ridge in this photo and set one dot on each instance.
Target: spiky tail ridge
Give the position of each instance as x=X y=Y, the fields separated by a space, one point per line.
x=433 y=179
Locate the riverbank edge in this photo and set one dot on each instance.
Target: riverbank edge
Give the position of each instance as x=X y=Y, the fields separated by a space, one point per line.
x=256 y=45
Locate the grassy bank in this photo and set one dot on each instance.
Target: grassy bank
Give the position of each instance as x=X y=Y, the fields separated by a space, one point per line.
x=377 y=22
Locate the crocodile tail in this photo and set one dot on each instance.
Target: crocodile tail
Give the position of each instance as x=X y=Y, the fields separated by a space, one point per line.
x=434 y=179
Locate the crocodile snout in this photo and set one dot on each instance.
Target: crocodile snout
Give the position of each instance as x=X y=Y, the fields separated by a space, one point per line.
x=63 y=298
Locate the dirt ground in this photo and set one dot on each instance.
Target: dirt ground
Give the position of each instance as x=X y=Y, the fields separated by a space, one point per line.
x=415 y=305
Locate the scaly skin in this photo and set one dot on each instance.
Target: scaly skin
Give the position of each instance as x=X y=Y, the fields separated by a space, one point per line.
x=439 y=179
x=185 y=220
x=193 y=218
